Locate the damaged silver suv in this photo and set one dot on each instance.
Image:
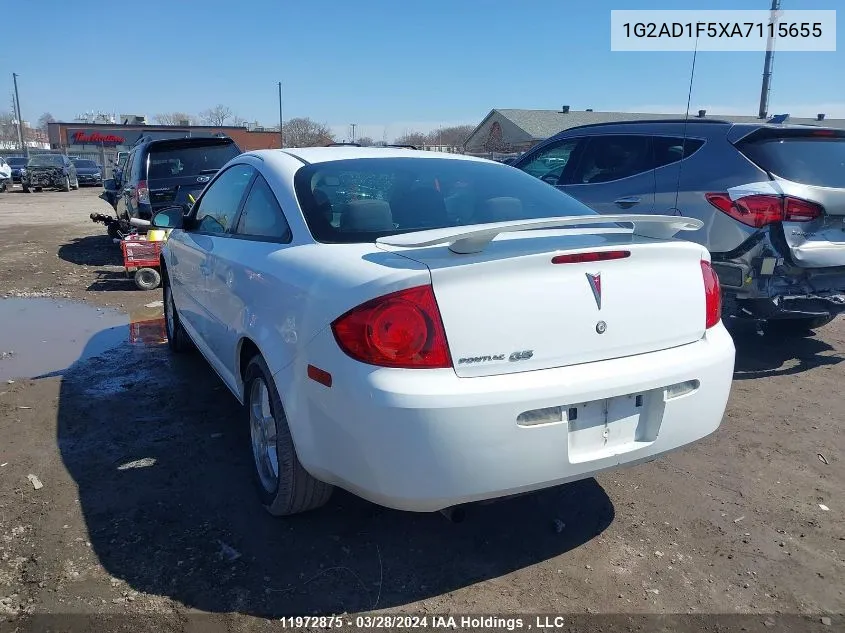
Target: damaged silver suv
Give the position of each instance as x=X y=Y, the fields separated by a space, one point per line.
x=772 y=198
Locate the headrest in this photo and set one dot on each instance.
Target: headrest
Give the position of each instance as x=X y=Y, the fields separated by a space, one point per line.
x=367 y=215
x=500 y=209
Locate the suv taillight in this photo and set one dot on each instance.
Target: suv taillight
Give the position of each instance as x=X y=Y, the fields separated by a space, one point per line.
x=401 y=329
x=142 y=193
x=761 y=210
x=712 y=295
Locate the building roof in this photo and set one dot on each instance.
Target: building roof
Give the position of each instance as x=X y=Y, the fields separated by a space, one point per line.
x=541 y=124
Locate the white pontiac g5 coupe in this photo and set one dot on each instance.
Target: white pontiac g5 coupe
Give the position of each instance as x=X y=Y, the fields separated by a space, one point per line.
x=427 y=330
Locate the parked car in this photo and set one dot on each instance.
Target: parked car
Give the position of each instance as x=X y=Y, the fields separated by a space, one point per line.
x=5 y=175
x=88 y=172
x=424 y=362
x=18 y=165
x=161 y=173
x=49 y=170
x=772 y=199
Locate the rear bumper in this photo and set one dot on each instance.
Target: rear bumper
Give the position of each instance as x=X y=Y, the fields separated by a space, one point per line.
x=423 y=440
x=796 y=306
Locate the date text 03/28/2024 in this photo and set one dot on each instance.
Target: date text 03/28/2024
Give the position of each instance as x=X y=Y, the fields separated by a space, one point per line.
x=546 y=623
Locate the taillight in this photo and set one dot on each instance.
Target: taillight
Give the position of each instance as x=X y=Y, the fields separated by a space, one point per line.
x=592 y=256
x=401 y=329
x=142 y=193
x=712 y=295
x=761 y=210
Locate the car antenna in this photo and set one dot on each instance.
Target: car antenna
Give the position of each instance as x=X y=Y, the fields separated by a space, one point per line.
x=686 y=118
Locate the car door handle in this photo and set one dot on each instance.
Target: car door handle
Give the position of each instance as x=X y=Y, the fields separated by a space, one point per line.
x=627 y=202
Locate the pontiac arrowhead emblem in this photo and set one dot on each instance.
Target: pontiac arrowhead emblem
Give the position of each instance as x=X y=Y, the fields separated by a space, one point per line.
x=595 y=285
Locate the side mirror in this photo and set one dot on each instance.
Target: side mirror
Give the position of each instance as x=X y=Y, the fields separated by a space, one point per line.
x=169 y=218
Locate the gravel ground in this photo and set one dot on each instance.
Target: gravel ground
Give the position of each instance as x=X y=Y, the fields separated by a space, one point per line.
x=141 y=502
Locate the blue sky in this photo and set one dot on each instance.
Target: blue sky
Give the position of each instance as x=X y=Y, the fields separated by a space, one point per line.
x=387 y=65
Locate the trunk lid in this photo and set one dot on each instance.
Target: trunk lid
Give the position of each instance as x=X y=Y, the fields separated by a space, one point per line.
x=165 y=192
x=509 y=309
x=806 y=163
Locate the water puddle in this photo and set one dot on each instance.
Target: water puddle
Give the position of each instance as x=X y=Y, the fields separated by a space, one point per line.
x=40 y=336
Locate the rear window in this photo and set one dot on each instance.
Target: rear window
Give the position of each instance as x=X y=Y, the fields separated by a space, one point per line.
x=359 y=200
x=816 y=160
x=175 y=162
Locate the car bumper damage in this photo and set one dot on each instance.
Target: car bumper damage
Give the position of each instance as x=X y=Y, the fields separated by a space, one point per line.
x=761 y=283
x=425 y=440
x=44 y=178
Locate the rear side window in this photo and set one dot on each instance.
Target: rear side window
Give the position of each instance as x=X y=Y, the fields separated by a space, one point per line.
x=174 y=162
x=613 y=157
x=809 y=160
x=671 y=149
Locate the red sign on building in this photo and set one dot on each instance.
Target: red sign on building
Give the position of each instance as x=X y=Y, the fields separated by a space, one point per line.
x=81 y=138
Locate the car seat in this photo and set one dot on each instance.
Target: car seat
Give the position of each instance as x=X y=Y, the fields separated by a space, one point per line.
x=420 y=208
x=366 y=216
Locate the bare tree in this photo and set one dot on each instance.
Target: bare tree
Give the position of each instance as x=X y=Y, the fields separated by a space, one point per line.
x=417 y=139
x=303 y=132
x=453 y=136
x=175 y=118
x=8 y=131
x=365 y=141
x=238 y=121
x=44 y=119
x=216 y=115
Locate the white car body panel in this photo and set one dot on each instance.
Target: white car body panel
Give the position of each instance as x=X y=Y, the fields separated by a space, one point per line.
x=425 y=439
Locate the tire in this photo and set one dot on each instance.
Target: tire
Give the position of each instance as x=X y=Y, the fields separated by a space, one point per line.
x=283 y=485
x=26 y=189
x=795 y=327
x=66 y=186
x=177 y=338
x=39 y=189
x=147 y=278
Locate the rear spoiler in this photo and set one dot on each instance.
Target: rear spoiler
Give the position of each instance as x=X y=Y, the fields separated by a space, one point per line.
x=476 y=237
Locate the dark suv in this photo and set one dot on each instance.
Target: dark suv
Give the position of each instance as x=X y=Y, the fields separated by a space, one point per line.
x=772 y=199
x=163 y=173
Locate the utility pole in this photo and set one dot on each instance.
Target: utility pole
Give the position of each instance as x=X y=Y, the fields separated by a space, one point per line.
x=23 y=146
x=281 y=120
x=767 y=65
x=353 y=131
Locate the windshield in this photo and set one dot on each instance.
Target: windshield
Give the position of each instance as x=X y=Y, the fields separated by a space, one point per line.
x=813 y=160
x=360 y=200
x=16 y=161
x=85 y=164
x=45 y=160
x=173 y=162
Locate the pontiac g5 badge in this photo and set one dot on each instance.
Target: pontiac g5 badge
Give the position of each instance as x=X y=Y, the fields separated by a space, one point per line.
x=595 y=285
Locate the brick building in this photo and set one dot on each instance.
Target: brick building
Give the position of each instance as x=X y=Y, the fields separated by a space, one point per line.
x=83 y=137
